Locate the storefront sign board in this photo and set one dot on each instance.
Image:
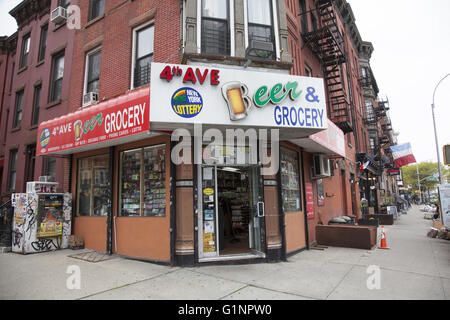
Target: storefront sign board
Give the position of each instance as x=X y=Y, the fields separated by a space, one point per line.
x=188 y=95
x=115 y=119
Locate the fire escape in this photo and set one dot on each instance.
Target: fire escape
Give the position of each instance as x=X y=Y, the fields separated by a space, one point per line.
x=328 y=44
x=385 y=135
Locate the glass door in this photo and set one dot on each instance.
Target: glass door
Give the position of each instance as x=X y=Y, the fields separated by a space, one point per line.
x=257 y=214
x=208 y=222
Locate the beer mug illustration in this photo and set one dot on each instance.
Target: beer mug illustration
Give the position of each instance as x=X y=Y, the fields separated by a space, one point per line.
x=235 y=94
x=77 y=126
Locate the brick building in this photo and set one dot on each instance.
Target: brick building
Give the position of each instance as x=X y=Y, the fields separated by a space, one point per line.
x=37 y=64
x=119 y=132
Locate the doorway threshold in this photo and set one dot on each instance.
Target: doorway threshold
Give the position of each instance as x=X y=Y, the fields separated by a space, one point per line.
x=231 y=257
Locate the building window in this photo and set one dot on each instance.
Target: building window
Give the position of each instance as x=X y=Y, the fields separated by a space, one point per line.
x=290 y=180
x=64 y=3
x=303 y=16
x=50 y=166
x=92 y=71
x=143 y=58
x=12 y=170
x=36 y=105
x=43 y=43
x=313 y=22
x=18 y=109
x=143 y=182
x=260 y=26
x=25 y=51
x=215 y=27
x=97 y=8
x=57 y=77
x=308 y=71
x=30 y=162
x=94 y=186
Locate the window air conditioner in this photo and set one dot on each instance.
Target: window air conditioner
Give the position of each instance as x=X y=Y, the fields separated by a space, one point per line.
x=59 y=15
x=321 y=167
x=258 y=48
x=90 y=98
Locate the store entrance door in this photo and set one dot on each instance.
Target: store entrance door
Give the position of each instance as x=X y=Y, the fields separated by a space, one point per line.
x=231 y=225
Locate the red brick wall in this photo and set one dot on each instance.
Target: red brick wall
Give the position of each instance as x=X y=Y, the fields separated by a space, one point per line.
x=114 y=33
x=58 y=39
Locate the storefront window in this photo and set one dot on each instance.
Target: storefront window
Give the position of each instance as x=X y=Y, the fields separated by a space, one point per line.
x=94 y=186
x=290 y=181
x=143 y=187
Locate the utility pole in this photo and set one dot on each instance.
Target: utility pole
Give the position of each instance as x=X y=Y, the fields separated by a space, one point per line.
x=435 y=132
x=418 y=182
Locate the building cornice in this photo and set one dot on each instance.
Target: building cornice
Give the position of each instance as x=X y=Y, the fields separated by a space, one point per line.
x=28 y=10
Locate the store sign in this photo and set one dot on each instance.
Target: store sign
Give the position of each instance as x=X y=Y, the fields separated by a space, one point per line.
x=394 y=172
x=117 y=118
x=185 y=94
x=309 y=200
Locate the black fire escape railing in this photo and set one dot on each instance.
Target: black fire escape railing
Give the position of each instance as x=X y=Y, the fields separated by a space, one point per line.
x=328 y=44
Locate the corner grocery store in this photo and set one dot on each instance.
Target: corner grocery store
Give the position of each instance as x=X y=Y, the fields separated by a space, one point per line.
x=134 y=197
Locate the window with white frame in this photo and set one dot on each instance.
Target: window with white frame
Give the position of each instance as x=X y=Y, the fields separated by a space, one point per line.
x=215 y=37
x=143 y=54
x=260 y=25
x=92 y=77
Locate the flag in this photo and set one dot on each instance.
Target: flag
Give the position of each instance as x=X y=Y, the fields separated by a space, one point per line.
x=366 y=164
x=402 y=155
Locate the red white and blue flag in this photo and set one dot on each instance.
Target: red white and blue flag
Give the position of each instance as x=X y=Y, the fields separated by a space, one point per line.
x=402 y=155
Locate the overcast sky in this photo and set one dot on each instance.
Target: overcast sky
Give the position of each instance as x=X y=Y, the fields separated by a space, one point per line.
x=412 y=53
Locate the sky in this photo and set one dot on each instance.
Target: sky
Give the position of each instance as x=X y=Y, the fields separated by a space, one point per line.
x=411 y=39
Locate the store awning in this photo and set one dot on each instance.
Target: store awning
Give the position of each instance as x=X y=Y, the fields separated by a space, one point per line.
x=112 y=122
x=330 y=142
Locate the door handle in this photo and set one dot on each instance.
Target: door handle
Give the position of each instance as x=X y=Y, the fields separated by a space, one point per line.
x=261 y=210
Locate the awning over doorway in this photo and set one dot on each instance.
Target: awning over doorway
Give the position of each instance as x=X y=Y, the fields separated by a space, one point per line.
x=112 y=122
x=330 y=142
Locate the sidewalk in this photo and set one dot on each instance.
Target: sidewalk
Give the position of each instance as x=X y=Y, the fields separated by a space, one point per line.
x=416 y=267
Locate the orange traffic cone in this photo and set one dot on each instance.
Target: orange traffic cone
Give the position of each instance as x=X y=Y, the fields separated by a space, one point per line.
x=383 y=239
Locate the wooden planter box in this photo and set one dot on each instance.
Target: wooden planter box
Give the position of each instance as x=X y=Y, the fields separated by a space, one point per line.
x=348 y=236
x=383 y=219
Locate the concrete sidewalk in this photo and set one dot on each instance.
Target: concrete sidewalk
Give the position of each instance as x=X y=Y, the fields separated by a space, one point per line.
x=416 y=267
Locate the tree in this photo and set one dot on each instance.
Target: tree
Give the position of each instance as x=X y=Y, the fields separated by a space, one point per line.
x=428 y=175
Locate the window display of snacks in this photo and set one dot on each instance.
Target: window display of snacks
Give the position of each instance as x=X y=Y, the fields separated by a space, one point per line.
x=290 y=180
x=94 y=186
x=154 y=182
x=143 y=184
x=131 y=183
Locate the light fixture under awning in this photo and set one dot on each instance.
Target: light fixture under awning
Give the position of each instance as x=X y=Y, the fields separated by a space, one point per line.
x=112 y=122
x=330 y=142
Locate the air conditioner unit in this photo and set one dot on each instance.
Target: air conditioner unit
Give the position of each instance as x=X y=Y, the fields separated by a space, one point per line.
x=321 y=167
x=261 y=49
x=90 y=98
x=59 y=15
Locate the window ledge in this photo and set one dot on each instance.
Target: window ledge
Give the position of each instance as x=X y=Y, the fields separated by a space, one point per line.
x=40 y=63
x=240 y=61
x=22 y=69
x=33 y=127
x=93 y=21
x=16 y=129
x=59 y=26
x=52 y=104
